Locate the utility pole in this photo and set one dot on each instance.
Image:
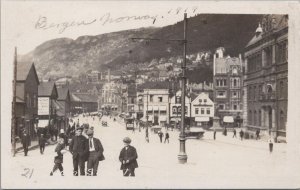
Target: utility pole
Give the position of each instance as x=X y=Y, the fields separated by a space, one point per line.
x=182 y=156
x=13 y=122
x=147 y=116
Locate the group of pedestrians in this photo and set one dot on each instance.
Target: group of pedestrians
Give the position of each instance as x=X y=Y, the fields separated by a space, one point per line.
x=87 y=152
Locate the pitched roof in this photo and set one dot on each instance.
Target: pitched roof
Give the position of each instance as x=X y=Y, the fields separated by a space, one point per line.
x=46 y=88
x=222 y=65
x=62 y=93
x=23 y=69
x=84 y=98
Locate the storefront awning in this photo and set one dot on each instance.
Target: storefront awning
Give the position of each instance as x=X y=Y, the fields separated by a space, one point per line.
x=43 y=123
x=175 y=119
x=202 y=119
x=162 y=108
x=228 y=119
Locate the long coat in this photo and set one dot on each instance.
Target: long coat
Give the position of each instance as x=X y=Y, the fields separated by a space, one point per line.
x=98 y=148
x=129 y=154
x=79 y=146
x=59 y=158
x=25 y=140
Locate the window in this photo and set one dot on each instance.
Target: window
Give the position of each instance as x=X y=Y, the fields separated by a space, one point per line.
x=249 y=93
x=207 y=111
x=178 y=99
x=163 y=112
x=281 y=89
x=160 y=99
x=221 y=107
x=202 y=111
x=28 y=102
x=255 y=118
x=250 y=117
x=234 y=71
x=282 y=121
x=234 y=94
x=205 y=100
x=225 y=81
x=200 y=100
x=151 y=98
x=179 y=110
x=234 y=82
x=174 y=110
x=196 y=110
x=259 y=118
x=221 y=94
x=234 y=107
x=254 y=93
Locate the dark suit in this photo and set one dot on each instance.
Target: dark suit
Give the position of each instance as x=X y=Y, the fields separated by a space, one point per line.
x=25 y=143
x=131 y=155
x=94 y=156
x=79 y=148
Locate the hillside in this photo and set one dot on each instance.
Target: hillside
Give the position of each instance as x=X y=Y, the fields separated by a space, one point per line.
x=205 y=32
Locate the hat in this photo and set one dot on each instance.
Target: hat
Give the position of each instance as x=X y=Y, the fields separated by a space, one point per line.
x=90 y=132
x=79 y=128
x=127 y=140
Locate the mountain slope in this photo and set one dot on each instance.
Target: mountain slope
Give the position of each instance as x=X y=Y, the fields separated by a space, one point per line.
x=205 y=32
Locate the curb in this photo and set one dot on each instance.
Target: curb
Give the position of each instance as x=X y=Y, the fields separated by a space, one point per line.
x=20 y=149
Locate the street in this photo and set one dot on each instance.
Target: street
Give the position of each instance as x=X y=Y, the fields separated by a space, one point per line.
x=224 y=163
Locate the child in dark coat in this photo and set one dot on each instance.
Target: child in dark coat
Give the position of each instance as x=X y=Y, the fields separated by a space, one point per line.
x=58 y=160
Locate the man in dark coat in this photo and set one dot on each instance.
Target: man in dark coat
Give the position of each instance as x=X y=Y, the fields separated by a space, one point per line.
x=79 y=148
x=95 y=153
x=167 y=137
x=127 y=157
x=25 y=142
x=42 y=142
x=160 y=134
x=215 y=134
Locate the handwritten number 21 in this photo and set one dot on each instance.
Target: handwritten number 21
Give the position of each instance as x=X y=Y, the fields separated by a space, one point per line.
x=27 y=172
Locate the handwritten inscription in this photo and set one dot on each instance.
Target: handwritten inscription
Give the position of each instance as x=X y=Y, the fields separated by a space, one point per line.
x=27 y=173
x=43 y=22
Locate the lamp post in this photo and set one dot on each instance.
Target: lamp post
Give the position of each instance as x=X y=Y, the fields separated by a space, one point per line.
x=182 y=156
x=147 y=132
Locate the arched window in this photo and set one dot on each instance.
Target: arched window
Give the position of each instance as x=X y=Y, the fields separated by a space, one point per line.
x=234 y=71
x=234 y=82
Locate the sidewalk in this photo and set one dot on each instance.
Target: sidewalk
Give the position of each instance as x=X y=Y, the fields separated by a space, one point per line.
x=34 y=145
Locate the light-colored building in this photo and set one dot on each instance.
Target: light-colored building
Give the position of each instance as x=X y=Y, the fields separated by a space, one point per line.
x=175 y=107
x=203 y=108
x=156 y=102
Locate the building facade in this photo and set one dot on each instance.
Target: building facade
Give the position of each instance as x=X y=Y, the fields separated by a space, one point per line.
x=228 y=83
x=175 y=107
x=266 y=79
x=26 y=99
x=203 y=109
x=156 y=102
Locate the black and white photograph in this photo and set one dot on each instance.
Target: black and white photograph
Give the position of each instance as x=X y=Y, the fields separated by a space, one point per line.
x=150 y=94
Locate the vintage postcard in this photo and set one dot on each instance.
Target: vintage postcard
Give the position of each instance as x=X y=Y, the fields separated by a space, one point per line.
x=150 y=94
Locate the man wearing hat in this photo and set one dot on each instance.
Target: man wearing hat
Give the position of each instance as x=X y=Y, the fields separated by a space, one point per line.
x=95 y=153
x=79 y=149
x=128 y=156
x=25 y=142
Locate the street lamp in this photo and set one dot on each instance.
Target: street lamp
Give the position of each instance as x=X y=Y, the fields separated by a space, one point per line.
x=182 y=156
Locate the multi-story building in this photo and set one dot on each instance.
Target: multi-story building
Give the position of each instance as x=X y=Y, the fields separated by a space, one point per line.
x=47 y=96
x=131 y=100
x=266 y=79
x=175 y=107
x=228 y=80
x=26 y=98
x=202 y=109
x=156 y=102
x=111 y=98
